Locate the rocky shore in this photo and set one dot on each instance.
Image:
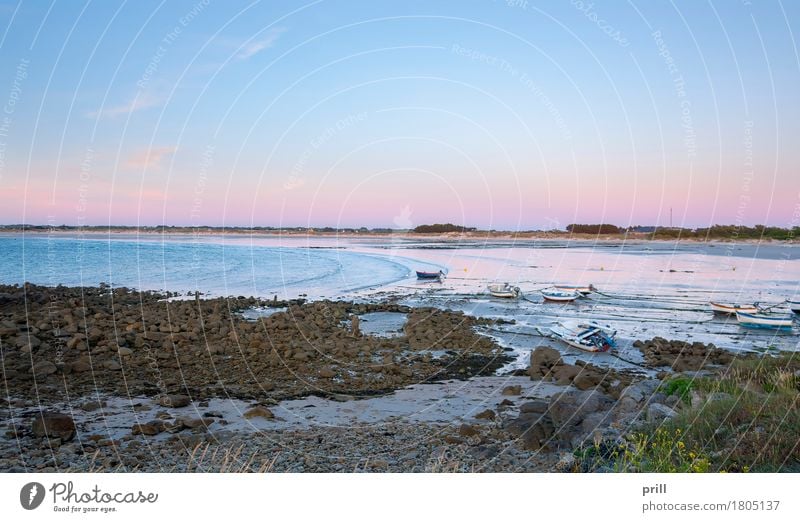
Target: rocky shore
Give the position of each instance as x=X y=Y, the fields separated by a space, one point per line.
x=100 y=380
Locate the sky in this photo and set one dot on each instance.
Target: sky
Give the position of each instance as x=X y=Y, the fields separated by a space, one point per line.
x=497 y=114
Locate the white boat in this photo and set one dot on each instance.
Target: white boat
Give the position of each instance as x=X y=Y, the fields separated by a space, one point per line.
x=794 y=306
x=730 y=309
x=561 y=296
x=504 y=290
x=588 y=336
x=585 y=290
x=764 y=320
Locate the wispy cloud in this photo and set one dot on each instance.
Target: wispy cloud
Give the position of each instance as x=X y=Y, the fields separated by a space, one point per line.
x=143 y=100
x=253 y=47
x=150 y=158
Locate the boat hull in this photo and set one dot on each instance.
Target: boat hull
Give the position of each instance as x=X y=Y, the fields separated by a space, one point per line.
x=794 y=306
x=428 y=275
x=560 y=297
x=585 y=336
x=730 y=309
x=763 y=321
x=583 y=290
x=504 y=291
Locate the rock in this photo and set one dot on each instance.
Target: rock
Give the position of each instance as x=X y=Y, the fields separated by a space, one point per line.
x=196 y=423
x=467 y=430
x=512 y=390
x=44 y=368
x=259 y=411
x=54 y=425
x=659 y=412
x=569 y=408
x=327 y=373
x=586 y=380
x=543 y=359
x=80 y=366
x=124 y=351
x=537 y=406
x=486 y=415
x=112 y=365
x=174 y=401
x=93 y=405
x=150 y=429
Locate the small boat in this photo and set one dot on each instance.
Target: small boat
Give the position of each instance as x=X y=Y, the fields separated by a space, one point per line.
x=560 y=296
x=588 y=336
x=764 y=320
x=429 y=275
x=730 y=309
x=584 y=290
x=504 y=290
x=794 y=306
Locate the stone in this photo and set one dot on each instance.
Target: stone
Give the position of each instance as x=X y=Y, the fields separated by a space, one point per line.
x=44 y=368
x=124 y=351
x=537 y=406
x=543 y=359
x=467 y=430
x=512 y=390
x=54 y=425
x=486 y=415
x=93 y=405
x=174 y=401
x=327 y=373
x=571 y=406
x=196 y=423
x=150 y=429
x=259 y=411
x=81 y=366
x=112 y=365
x=659 y=412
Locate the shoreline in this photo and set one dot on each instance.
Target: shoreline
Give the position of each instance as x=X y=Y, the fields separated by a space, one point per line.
x=156 y=385
x=502 y=236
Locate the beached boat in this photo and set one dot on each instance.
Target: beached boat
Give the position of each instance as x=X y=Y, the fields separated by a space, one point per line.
x=588 y=336
x=504 y=290
x=764 y=320
x=584 y=290
x=429 y=275
x=730 y=309
x=560 y=296
x=794 y=306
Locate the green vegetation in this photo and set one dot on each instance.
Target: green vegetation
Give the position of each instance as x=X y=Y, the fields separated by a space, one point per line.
x=732 y=232
x=594 y=229
x=439 y=228
x=745 y=418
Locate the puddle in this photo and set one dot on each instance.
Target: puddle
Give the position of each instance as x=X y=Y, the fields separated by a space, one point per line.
x=382 y=324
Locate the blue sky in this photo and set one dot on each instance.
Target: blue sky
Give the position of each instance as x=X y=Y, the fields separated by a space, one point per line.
x=497 y=114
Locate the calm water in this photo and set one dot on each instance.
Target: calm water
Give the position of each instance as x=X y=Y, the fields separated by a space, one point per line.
x=646 y=289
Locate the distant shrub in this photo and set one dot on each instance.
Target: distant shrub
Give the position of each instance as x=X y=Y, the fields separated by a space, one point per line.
x=440 y=228
x=594 y=229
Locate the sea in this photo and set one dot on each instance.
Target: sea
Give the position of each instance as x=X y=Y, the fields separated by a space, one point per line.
x=644 y=288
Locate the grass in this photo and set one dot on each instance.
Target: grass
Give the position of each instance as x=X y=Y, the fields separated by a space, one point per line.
x=745 y=418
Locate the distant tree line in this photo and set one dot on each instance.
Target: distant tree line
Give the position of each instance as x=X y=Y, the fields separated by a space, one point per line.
x=594 y=229
x=440 y=228
x=733 y=232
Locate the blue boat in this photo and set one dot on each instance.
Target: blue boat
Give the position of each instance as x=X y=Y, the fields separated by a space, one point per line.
x=429 y=275
x=782 y=322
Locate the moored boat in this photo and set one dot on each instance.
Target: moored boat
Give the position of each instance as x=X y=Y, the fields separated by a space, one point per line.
x=560 y=296
x=764 y=320
x=588 y=336
x=429 y=275
x=504 y=290
x=585 y=290
x=730 y=309
x=794 y=306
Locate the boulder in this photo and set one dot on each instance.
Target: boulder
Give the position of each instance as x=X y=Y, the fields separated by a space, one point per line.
x=174 y=401
x=512 y=390
x=543 y=359
x=44 y=368
x=259 y=411
x=537 y=406
x=150 y=429
x=54 y=426
x=486 y=415
x=659 y=412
